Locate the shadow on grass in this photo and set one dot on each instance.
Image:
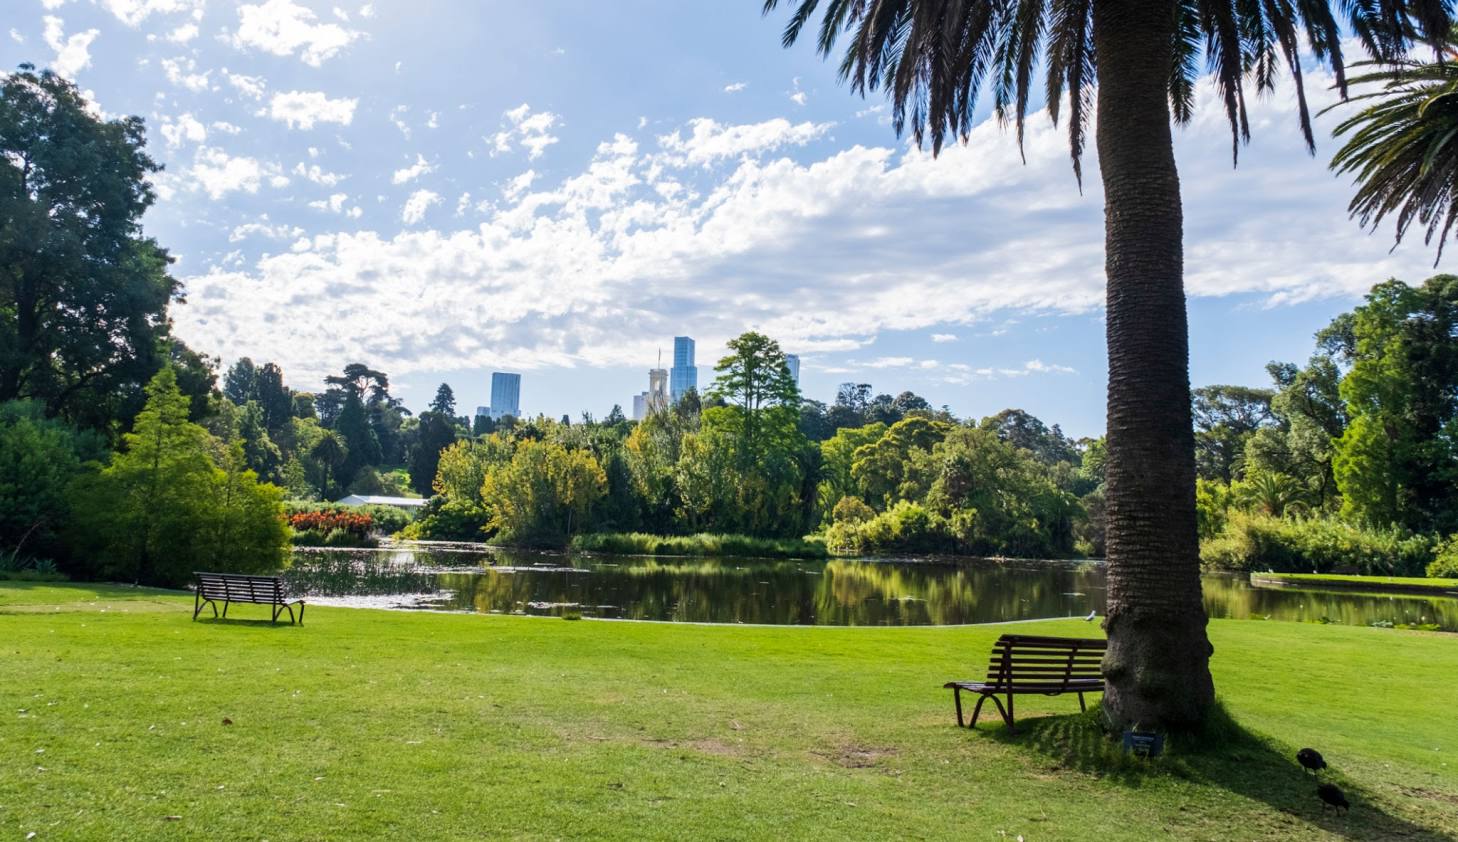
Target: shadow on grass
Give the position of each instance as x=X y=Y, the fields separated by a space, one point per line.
x=264 y=623
x=1226 y=756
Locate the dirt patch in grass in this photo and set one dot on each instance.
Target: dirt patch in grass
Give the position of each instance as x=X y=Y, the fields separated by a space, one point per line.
x=857 y=756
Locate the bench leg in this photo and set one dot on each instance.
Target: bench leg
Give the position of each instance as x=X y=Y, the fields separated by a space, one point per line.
x=301 y=613
x=226 y=603
x=957 y=697
x=1008 y=717
x=1081 y=706
x=196 y=606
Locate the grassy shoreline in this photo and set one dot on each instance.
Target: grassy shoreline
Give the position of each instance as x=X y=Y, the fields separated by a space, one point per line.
x=369 y=723
x=1406 y=584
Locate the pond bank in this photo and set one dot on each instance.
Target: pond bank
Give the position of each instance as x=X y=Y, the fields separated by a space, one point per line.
x=1370 y=584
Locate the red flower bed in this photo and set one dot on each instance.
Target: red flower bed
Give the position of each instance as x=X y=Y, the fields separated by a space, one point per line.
x=327 y=521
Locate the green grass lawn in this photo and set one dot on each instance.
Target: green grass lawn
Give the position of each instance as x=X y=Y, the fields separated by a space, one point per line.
x=1372 y=582
x=423 y=726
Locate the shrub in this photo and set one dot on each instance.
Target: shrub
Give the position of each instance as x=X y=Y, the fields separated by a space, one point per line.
x=1445 y=560
x=702 y=544
x=448 y=520
x=852 y=509
x=385 y=520
x=906 y=527
x=1319 y=544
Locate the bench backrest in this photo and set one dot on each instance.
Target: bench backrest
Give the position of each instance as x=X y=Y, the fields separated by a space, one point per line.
x=237 y=588
x=1052 y=661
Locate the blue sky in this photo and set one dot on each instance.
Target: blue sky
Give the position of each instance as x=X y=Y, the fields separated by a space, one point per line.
x=440 y=189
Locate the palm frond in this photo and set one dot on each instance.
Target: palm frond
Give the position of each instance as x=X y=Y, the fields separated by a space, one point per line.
x=1402 y=149
x=932 y=58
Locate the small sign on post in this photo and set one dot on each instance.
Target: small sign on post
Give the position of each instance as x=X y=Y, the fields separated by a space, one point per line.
x=1143 y=743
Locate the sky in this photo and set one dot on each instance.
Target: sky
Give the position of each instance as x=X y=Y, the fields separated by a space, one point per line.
x=444 y=189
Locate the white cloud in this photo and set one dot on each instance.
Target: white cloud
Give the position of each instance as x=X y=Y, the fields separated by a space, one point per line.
x=735 y=87
x=183 y=34
x=412 y=172
x=282 y=28
x=367 y=10
x=334 y=204
x=709 y=141
x=217 y=173
x=944 y=337
x=263 y=228
x=133 y=12
x=416 y=206
x=516 y=186
x=183 y=73
x=225 y=127
x=185 y=129
x=317 y=174
x=250 y=86
x=522 y=127
x=799 y=98
x=397 y=117
x=303 y=109
x=73 y=54
x=16 y=36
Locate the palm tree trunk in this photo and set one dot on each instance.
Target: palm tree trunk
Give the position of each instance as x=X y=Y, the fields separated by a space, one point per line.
x=1157 y=666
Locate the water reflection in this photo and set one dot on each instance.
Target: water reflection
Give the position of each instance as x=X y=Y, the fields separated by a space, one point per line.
x=839 y=592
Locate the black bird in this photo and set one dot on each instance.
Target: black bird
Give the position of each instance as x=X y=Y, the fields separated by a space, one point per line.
x=1332 y=796
x=1311 y=760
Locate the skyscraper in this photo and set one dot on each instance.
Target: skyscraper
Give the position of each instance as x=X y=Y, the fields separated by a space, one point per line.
x=640 y=406
x=505 y=395
x=792 y=362
x=684 y=377
x=656 y=398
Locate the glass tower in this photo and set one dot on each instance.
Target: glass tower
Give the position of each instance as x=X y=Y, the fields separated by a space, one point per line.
x=792 y=362
x=684 y=376
x=505 y=395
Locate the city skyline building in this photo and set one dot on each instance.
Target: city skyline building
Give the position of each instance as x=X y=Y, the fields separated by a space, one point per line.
x=505 y=395
x=657 y=397
x=792 y=362
x=684 y=376
x=640 y=406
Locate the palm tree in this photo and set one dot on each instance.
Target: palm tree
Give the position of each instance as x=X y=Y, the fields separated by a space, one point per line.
x=1271 y=493
x=932 y=58
x=1403 y=147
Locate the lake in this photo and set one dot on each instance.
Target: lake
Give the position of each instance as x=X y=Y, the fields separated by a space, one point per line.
x=839 y=592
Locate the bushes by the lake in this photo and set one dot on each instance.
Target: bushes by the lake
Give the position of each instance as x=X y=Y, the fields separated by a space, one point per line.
x=1445 y=560
x=702 y=544
x=1253 y=541
x=332 y=528
x=906 y=527
x=386 y=520
x=445 y=519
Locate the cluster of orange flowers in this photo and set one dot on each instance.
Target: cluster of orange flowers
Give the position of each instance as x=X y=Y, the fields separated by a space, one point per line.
x=327 y=521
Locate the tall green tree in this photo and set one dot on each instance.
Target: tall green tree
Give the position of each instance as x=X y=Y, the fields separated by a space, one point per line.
x=163 y=508
x=83 y=293
x=39 y=458
x=1225 y=419
x=437 y=432
x=444 y=402
x=1144 y=58
x=1397 y=461
x=755 y=378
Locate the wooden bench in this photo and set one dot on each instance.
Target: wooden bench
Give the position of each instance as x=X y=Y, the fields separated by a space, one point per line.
x=228 y=588
x=1025 y=664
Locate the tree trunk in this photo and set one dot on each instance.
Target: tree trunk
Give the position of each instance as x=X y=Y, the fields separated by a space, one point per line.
x=1157 y=665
